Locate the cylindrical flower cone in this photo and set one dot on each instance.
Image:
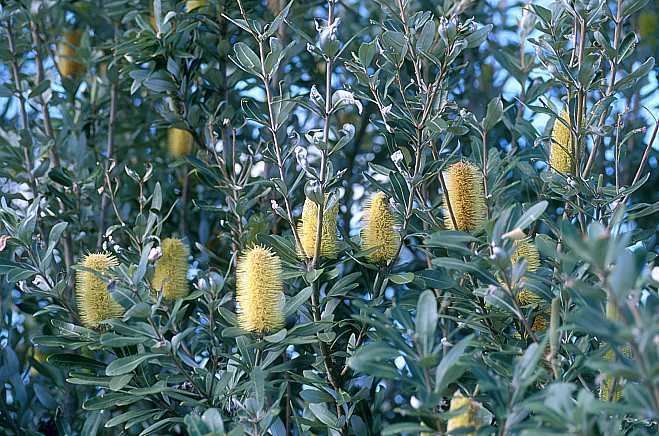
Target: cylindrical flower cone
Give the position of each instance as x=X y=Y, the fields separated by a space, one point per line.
x=611 y=388
x=526 y=249
x=464 y=183
x=95 y=303
x=259 y=290
x=467 y=417
x=179 y=142
x=379 y=235
x=308 y=226
x=66 y=53
x=561 y=151
x=171 y=270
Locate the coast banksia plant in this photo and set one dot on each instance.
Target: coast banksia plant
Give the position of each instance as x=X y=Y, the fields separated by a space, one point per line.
x=171 y=270
x=95 y=303
x=464 y=183
x=259 y=290
x=309 y=225
x=468 y=417
x=379 y=235
x=179 y=142
x=66 y=52
x=526 y=249
x=561 y=152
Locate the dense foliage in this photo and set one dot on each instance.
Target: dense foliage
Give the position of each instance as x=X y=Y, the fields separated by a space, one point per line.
x=328 y=217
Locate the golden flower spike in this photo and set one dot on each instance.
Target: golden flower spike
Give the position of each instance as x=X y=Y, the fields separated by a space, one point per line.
x=464 y=183
x=179 y=142
x=66 y=52
x=525 y=248
x=94 y=301
x=308 y=226
x=468 y=416
x=607 y=385
x=379 y=235
x=561 y=153
x=259 y=290
x=171 y=270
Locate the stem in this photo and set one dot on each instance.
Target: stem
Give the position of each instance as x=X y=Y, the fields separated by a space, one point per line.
x=48 y=128
x=109 y=148
x=27 y=153
x=554 y=336
x=612 y=77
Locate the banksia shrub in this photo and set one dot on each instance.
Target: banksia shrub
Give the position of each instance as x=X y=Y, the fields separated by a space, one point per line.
x=171 y=269
x=179 y=142
x=95 y=303
x=561 y=151
x=379 y=235
x=464 y=183
x=259 y=290
x=308 y=226
x=468 y=414
x=66 y=53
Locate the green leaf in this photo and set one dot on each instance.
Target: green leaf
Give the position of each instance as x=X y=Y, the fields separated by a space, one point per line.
x=447 y=371
x=494 y=112
x=531 y=215
x=402 y=278
x=323 y=414
x=124 y=365
x=426 y=321
x=296 y=301
x=637 y=73
x=246 y=58
x=119 y=382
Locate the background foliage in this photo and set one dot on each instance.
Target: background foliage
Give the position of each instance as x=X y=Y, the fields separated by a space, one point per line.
x=344 y=98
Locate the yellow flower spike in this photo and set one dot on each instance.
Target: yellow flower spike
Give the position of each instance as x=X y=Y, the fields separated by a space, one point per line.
x=464 y=183
x=525 y=248
x=179 y=142
x=66 y=52
x=468 y=409
x=192 y=5
x=94 y=301
x=647 y=25
x=607 y=385
x=540 y=323
x=259 y=290
x=379 y=234
x=561 y=154
x=171 y=270
x=308 y=226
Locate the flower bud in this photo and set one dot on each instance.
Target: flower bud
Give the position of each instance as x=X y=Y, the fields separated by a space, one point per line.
x=95 y=303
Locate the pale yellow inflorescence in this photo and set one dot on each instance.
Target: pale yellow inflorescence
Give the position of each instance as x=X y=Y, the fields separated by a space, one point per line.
x=561 y=152
x=379 y=235
x=526 y=249
x=95 y=303
x=171 y=270
x=259 y=290
x=464 y=183
x=609 y=382
x=66 y=53
x=179 y=142
x=467 y=418
x=308 y=226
